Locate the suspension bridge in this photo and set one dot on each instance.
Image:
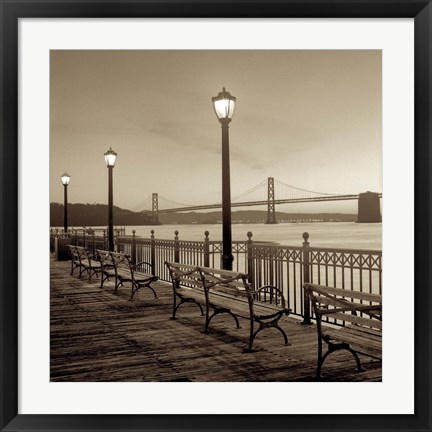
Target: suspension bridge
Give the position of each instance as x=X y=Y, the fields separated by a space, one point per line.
x=269 y=193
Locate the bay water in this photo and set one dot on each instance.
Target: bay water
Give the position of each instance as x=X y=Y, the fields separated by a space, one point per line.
x=343 y=235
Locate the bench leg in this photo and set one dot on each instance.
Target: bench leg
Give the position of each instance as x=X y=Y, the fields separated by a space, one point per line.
x=251 y=340
x=73 y=267
x=184 y=300
x=173 y=317
x=154 y=292
x=92 y=272
x=251 y=335
x=263 y=325
x=283 y=334
x=359 y=368
x=118 y=283
x=137 y=287
x=103 y=279
x=321 y=360
x=332 y=348
x=218 y=311
x=82 y=270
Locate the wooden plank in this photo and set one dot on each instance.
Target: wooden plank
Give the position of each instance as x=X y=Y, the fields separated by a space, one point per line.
x=365 y=345
x=343 y=304
x=321 y=289
x=192 y=293
x=227 y=273
x=357 y=319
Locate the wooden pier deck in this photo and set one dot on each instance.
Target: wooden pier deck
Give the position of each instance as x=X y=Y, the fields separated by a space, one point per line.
x=99 y=336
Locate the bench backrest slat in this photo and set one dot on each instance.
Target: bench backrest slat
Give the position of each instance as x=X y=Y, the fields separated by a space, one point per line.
x=338 y=304
x=208 y=278
x=321 y=289
x=344 y=303
x=120 y=259
x=355 y=319
x=190 y=281
x=104 y=257
x=226 y=282
x=220 y=272
x=184 y=274
x=80 y=253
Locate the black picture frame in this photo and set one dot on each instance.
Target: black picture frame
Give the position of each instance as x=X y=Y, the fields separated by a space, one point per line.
x=12 y=10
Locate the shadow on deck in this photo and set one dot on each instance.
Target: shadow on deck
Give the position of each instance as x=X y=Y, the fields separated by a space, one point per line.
x=99 y=336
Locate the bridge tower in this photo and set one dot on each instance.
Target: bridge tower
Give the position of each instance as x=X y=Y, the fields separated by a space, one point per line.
x=155 y=208
x=271 y=213
x=369 y=208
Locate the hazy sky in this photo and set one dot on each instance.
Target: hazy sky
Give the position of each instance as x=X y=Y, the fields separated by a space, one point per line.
x=307 y=118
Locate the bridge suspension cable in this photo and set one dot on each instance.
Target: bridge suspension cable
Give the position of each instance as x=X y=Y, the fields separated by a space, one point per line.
x=168 y=201
x=142 y=205
x=262 y=185
x=295 y=188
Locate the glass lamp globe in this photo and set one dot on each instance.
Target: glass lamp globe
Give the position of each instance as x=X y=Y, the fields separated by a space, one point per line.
x=224 y=105
x=65 y=178
x=110 y=158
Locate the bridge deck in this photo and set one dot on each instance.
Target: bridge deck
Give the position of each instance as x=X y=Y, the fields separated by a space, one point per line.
x=262 y=203
x=99 y=336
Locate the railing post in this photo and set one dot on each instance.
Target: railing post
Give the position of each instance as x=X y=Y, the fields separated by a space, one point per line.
x=118 y=241
x=84 y=238
x=93 y=240
x=104 y=240
x=153 y=252
x=176 y=247
x=306 y=279
x=206 y=249
x=133 y=251
x=249 y=258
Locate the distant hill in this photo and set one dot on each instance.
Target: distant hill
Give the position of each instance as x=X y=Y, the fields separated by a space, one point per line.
x=97 y=214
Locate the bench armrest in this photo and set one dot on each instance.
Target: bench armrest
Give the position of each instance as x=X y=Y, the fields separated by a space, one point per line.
x=142 y=263
x=273 y=291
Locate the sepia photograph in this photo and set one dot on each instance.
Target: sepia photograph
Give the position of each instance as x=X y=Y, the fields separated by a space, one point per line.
x=215 y=215
x=222 y=183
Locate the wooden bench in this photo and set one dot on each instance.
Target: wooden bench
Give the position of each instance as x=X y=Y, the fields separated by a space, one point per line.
x=84 y=260
x=223 y=291
x=359 y=312
x=119 y=266
x=107 y=266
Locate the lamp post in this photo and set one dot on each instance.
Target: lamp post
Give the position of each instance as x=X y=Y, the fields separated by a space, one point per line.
x=110 y=160
x=223 y=105
x=65 y=178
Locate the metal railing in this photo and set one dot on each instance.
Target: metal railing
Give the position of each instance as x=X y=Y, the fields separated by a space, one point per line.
x=286 y=267
x=91 y=238
x=201 y=253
